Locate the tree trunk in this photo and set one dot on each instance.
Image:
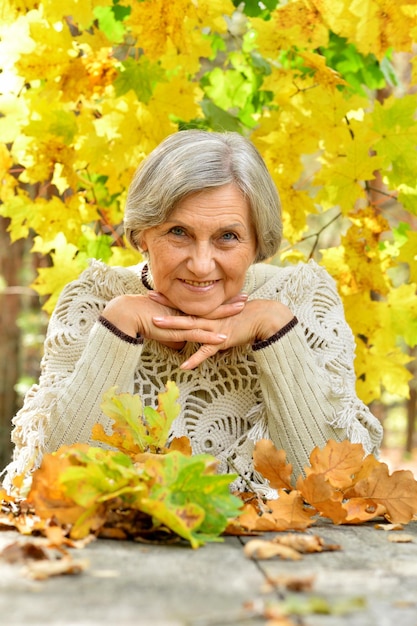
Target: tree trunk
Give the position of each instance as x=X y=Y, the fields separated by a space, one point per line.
x=11 y=256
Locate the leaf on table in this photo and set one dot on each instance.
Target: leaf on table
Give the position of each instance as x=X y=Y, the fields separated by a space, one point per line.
x=272 y=464
x=22 y=551
x=47 y=495
x=288 y=512
x=338 y=462
x=262 y=550
x=389 y=527
x=188 y=495
x=320 y=494
x=396 y=492
x=401 y=538
x=40 y=570
x=305 y=543
x=297 y=583
x=359 y=510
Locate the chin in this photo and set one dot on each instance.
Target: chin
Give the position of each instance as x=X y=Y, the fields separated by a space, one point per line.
x=198 y=310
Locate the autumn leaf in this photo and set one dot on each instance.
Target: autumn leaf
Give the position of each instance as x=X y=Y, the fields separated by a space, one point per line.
x=288 y=512
x=46 y=494
x=320 y=494
x=137 y=429
x=396 y=492
x=189 y=496
x=272 y=464
x=337 y=462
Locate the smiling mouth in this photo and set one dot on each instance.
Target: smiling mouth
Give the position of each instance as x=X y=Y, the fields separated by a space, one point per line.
x=194 y=283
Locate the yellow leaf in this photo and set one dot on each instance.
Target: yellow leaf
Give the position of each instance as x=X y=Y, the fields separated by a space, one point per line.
x=292 y=22
x=66 y=268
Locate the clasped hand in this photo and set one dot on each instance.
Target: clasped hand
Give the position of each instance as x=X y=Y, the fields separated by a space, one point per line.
x=235 y=323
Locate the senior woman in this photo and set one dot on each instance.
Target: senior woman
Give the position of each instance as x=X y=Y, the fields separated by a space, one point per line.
x=257 y=351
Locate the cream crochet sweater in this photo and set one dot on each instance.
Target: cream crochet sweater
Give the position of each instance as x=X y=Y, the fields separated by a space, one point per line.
x=299 y=391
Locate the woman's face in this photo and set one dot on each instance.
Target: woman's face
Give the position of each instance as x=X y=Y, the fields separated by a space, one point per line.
x=200 y=255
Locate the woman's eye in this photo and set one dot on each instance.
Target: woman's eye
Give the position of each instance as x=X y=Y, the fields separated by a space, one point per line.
x=177 y=230
x=228 y=236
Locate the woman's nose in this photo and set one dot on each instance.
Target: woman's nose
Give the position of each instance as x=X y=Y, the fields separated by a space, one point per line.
x=201 y=260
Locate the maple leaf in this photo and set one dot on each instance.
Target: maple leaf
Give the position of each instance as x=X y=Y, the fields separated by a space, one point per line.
x=272 y=464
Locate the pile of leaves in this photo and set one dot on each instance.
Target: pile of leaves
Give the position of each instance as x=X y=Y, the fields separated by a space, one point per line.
x=341 y=484
x=142 y=488
x=145 y=489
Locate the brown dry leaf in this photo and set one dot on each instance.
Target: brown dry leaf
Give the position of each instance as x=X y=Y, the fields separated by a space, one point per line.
x=47 y=495
x=338 y=462
x=263 y=549
x=22 y=551
x=401 y=538
x=325 y=498
x=360 y=510
x=291 y=583
x=40 y=570
x=288 y=512
x=397 y=492
x=389 y=527
x=305 y=543
x=272 y=464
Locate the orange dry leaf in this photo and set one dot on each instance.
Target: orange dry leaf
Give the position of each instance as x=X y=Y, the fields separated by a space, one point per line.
x=272 y=464
x=326 y=499
x=286 y=513
x=338 y=462
x=181 y=444
x=305 y=543
x=396 y=492
x=47 y=494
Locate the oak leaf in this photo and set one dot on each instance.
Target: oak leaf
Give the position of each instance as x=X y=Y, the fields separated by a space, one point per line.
x=337 y=462
x=288 y=512
x=272 y=464
x=396 y=492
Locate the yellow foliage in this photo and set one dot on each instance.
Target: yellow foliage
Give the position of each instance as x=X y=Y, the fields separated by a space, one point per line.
x=296 y=23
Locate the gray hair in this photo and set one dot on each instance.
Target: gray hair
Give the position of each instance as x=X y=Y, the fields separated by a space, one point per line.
x=190 y=161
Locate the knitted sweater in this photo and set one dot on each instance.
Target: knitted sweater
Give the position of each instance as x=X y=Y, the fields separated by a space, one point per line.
x=298 y=391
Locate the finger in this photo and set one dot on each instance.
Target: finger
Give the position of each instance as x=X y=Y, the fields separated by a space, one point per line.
x=226 y=310
x=184 y=329
x=155 y=296
x=203 y=353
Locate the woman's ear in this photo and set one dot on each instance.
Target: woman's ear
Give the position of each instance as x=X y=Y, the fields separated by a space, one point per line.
x=140 y=242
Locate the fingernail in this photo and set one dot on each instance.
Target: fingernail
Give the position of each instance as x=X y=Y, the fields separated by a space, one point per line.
x=157 y=319
x=222 y=336
x=238 y=305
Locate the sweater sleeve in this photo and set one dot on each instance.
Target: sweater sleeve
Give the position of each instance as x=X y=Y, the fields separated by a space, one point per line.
x=82 y=359
x=307 y=376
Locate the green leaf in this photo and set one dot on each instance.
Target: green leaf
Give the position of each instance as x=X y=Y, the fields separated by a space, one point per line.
x=110 y=23
x=141 y=76
x=179 y=481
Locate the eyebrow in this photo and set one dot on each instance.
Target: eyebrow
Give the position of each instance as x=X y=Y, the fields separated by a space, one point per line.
x=221 y=228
